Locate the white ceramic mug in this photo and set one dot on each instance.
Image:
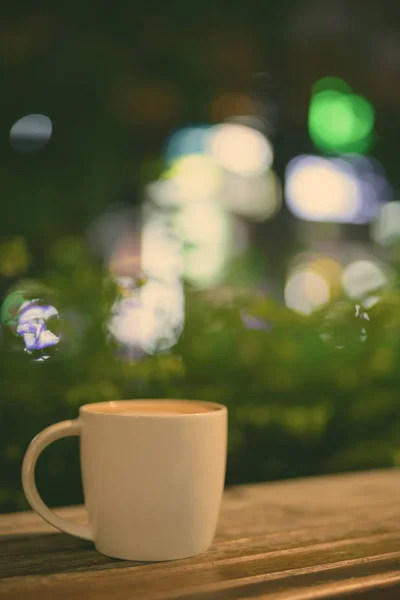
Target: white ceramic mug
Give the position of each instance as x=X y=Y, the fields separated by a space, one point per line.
x=153 y=475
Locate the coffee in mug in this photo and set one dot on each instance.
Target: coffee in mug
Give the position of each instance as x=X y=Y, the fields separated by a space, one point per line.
x=161 y=407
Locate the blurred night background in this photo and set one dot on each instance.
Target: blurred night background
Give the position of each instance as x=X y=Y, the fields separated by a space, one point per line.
x=202 y=202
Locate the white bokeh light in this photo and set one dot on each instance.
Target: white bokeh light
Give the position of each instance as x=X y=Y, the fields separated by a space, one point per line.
x=163 y=315
x=161 y=250
x=149 y=319
x=148 y=315
x=205 y=230
x=320 y=189
x=240 y=149
x=193 y=177
x=362 y=277
x=257 y=198
x=163 y=193
x=337 y=190
x=31 y=133
x=385 y=230
x=306 y=291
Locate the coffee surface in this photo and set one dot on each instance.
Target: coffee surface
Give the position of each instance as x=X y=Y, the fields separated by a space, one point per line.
x=152 y=407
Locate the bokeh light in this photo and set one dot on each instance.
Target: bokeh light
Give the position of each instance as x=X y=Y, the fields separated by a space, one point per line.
x=339 y=120
x=334 y=190
x=370 y=301
x=385 y=230
x=162 y=193
x=318 y=189
x=147 y=316
x=257 y=198
x=125 y=258
x=306 y=291
x=240 y=149
x=361 y=278
x=161 y=248
x=194 y=177
x=314 y=279
x=330 y=269
x=186 y=141
x=214 y=176
x=30 y=133
x=196 y=239
x=148 y=319
x=206 y=233
x=164 y=312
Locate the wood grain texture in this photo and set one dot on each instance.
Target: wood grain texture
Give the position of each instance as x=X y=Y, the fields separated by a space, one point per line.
x=316 y=538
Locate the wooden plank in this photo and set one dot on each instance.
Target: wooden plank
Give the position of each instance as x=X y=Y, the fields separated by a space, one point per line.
x=323 y=537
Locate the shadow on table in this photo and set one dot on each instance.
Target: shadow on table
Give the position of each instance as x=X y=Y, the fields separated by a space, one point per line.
x=45 y=554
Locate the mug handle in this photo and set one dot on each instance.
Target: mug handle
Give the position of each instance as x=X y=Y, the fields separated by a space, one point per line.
x=37 y=445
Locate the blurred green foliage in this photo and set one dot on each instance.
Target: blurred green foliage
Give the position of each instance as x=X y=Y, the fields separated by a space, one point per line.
x=298 y=404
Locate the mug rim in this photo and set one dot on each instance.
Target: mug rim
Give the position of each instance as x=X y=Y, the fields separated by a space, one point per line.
x=90 y=408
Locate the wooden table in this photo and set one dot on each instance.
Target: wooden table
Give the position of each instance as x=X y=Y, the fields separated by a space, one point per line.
x=324 y=537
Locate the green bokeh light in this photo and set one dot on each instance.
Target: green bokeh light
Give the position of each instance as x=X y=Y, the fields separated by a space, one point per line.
x=340 y=121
